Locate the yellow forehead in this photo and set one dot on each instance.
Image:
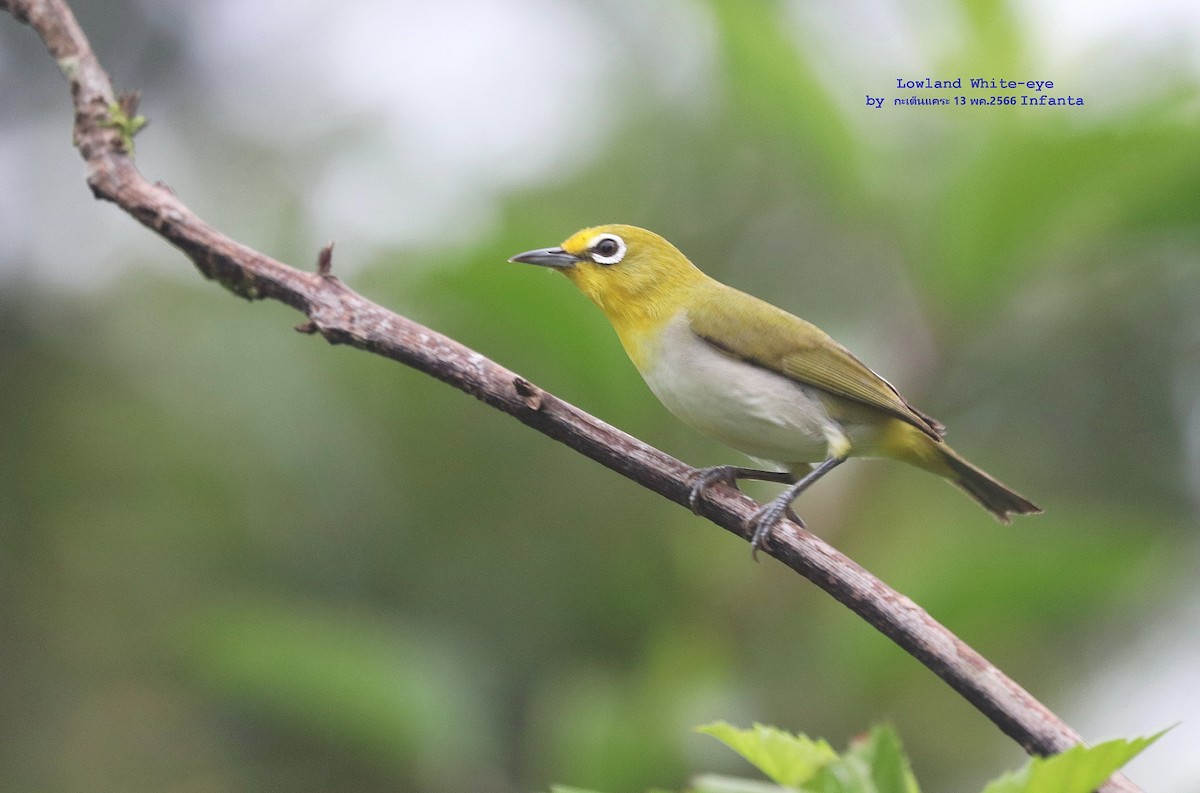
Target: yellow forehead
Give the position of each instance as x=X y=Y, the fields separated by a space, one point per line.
x=634 y=237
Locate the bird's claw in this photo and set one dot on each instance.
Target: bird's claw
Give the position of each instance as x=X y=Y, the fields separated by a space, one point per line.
x=706 y=478
x=764 y=520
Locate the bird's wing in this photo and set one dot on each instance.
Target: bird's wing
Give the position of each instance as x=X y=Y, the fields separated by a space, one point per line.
x=759 y=333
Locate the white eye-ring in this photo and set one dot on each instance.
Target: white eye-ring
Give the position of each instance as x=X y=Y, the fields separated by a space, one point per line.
x=607 y=249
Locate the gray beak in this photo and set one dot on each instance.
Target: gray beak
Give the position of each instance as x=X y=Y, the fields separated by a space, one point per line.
x=547 y=257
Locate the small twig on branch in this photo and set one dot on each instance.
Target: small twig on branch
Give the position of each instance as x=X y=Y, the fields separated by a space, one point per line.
x=104 y=126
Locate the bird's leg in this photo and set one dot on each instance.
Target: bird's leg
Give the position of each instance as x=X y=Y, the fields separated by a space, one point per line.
x=705 y=478
x=798 y=470
x=764 y=520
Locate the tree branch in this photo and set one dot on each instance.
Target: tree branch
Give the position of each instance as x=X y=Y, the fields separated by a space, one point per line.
x=104 y=125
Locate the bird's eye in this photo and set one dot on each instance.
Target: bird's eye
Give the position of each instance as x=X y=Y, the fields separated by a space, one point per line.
x=607 y=249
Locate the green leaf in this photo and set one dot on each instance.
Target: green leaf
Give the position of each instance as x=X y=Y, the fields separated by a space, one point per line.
x=716 y=783
x=884 y=755
x=1080 y=769
x=790 y=760
x=874 y=764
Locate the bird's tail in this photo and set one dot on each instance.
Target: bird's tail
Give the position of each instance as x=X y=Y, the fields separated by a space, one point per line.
x=935 y=456
x=997 y=498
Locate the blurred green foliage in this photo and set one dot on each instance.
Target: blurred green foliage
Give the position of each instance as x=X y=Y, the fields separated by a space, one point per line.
x=232 y=557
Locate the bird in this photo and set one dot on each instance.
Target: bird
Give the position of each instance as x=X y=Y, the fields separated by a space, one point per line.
x=754 y=377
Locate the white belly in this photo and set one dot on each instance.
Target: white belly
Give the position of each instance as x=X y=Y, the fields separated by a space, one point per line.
x=748 y=408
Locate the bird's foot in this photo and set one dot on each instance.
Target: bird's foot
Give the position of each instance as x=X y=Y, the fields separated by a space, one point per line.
x=764 y=520
x=705 y=478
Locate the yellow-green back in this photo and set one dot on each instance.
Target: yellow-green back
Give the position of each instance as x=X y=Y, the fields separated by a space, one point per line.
x=767 y=336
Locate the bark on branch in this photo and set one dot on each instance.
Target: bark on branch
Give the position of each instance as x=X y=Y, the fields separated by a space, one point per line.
x=104 y=124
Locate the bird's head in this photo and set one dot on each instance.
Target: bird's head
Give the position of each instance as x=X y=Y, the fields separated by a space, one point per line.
x=625 y=270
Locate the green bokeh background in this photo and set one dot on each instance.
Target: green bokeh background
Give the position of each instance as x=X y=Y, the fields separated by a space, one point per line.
x=235 y=558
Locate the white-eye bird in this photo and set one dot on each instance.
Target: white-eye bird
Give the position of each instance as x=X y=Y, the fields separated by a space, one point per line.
x=753 y=376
